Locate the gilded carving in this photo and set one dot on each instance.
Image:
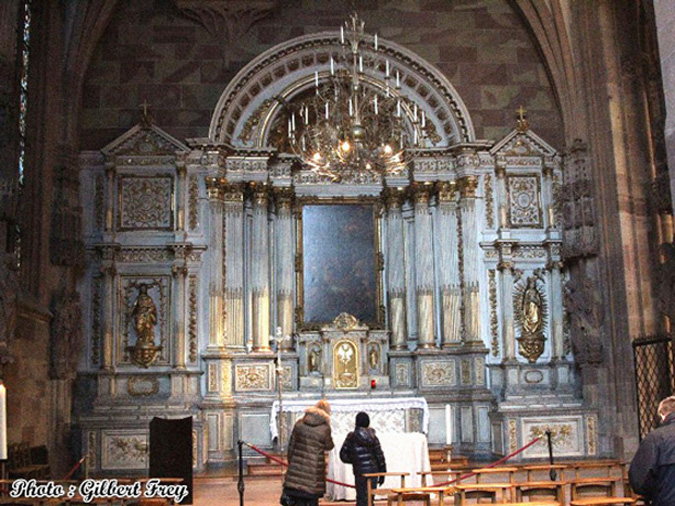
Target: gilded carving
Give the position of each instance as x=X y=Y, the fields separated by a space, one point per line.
x=524 y=201
x=438 y=373
x=225 y=378
x=192 y=318
x=513 y=436
x=345 y=364
x=124 y=452
x=591 y=434
x=345 y=322
x=465 y=369
x=468 y=186
x=144 y=314
x=145 y=255
x=402 y=374
x=530 y=315
x=494 y=321
x=480 y=371
x=560 y=433
x=252 y=377
x=193 y=202
x=146 y=202
x=142 y=386
x=489 y=201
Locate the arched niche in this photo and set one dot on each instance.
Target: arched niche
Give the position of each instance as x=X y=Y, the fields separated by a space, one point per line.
x=246 y=111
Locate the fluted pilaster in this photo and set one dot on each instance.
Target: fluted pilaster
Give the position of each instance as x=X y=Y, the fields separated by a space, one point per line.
x=396 y=295
x=285 y=262
x=234 y=265
x=260 y=267
x=424 y=266
x=557 y=312
x=506 y=269
x=215 y=191
x=448 y=237
x=470 y=254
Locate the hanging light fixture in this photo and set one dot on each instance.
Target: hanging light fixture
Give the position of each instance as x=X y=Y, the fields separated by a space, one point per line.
x=355 y=123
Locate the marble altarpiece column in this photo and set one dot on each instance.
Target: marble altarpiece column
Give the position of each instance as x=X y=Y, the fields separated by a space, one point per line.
x=260 y=267
x=215 y=191
x=424 y=263
x=283 y=199
x=396 y=292
x=234 y=266
x=470 y=254
x=448 y=252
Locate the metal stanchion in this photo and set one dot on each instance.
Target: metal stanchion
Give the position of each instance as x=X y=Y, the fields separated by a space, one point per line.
x=240 y=483
x=552 y=473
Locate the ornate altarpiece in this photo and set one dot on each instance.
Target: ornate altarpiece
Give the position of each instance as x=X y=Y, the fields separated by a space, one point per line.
x=213 y=228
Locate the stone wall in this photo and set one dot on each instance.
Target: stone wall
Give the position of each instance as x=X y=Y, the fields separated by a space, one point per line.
x=152 y=52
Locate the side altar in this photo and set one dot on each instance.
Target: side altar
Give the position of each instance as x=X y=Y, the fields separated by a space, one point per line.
x=445 y=283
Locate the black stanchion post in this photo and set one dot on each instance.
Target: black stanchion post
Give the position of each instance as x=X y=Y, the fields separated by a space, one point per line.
x=552 y=472
x=240 y=483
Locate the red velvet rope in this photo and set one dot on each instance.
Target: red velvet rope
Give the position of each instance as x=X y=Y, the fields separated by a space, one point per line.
x=75 y=468
x=468 y=475
x=279 y=461
x=496 y=463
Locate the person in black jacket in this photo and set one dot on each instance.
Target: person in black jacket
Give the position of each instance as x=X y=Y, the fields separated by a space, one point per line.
x=362 y=450
x=652 y=471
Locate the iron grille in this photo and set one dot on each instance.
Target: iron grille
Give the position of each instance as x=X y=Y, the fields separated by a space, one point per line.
x=654 y=377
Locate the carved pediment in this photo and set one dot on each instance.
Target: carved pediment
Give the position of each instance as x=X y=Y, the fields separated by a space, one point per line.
x=145 y=141
x=521 y=143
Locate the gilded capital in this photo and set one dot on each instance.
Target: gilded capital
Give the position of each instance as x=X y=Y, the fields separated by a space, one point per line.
x=468 y=186
x=421 y=193
x=505 y=265
x=215 y=187
x=259 y=192
x=283 y=198
x=447 y=191
x=393 y=198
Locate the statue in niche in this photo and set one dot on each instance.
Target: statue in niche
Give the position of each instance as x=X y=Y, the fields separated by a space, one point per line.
x=314 y=360
x=531 y=316
x=373 y=358
x=145 y=316
x=532 y=308
x=144 y=313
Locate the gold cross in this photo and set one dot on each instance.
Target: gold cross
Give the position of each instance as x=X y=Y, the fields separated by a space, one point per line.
x=146 y=119
x=521 y=113
x=522 y=124
x=145 y=106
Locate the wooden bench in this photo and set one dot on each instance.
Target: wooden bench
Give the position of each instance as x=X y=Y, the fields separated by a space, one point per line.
x=372 y=492
x=27 y=462
x=451 y=475
x=605 y=485
x=496 y=492
x=553 y=490
x=399 y=495
x=531 y=470
x=602 y=501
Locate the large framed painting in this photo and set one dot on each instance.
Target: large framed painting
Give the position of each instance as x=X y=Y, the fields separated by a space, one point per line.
x=340 y=268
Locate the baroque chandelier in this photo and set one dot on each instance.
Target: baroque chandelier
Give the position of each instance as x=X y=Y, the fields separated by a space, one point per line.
x=355 y=123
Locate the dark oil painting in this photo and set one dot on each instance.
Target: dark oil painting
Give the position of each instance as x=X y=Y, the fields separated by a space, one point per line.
x=339 y=272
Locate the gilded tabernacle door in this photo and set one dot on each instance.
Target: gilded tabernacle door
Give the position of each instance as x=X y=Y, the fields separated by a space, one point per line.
x=340 y=263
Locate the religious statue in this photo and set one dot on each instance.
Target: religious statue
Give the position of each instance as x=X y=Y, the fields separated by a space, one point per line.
x=532 y=308
x=531 y=317
x=314 y=360
x=145 y=316
x=144 y=313
x=66 y=335
x=373 y=357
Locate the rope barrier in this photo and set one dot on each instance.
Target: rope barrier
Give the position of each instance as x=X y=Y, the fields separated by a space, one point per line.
x=493 y=464
x=281 y=462
x=75 y=468
x=459 y=478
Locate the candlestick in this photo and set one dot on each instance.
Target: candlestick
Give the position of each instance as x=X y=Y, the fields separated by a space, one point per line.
x=342 y=35
x=3 y=421
x=448 y=424
x=398 y=80
x=375 y=42
x=551 y=217
x=360 y=63
x=332 y=66
x=316 y=79
x=386 y=67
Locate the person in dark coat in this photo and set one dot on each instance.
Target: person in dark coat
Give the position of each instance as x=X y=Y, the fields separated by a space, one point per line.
x=310 y=440
x=652 y=471
x=362 y=450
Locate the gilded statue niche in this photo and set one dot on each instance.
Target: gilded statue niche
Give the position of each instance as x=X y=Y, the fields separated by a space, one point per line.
x=345 y=364
x=531 y=313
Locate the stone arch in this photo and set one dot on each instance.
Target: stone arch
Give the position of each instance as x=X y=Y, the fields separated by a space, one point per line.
x=244 y=113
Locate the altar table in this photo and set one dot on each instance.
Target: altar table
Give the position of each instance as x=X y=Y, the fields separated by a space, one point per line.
x=387 y=414
x=404 y=452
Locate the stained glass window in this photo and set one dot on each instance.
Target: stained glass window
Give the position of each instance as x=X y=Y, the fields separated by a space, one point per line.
x=24 y=55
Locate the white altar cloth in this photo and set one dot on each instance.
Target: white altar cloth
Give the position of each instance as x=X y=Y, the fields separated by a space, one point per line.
x=407 y=452
x=387 y=414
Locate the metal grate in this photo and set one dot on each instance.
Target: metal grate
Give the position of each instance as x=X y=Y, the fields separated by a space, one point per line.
x=654 y=377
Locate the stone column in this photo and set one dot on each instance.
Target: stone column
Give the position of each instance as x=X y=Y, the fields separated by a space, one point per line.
x=470 y=252
x=448 y=252
x=396 y=295
x=180 y=271
x=215 y=191
x=260 y=268
x=424 y=263
x=108 y=270
x=557 y=315
x=234 y=266
x=285 y=262
x=506 y=269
